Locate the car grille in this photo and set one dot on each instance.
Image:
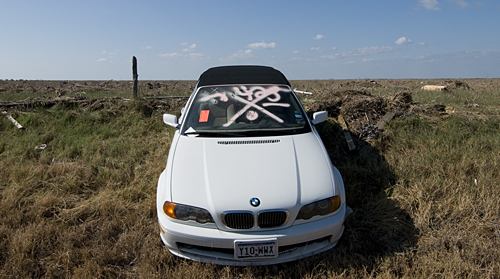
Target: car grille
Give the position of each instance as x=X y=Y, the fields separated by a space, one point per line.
x=245 y=220
x=238 y=220
x=271 y=219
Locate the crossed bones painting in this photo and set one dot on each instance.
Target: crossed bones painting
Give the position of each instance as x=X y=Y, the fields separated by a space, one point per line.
x=221 y=107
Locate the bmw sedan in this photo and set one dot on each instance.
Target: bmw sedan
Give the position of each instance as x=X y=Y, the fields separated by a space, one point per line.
x=248 y=180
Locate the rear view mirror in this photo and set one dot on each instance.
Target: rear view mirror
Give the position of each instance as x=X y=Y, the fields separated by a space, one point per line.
x=170 y=120
x=319 y=117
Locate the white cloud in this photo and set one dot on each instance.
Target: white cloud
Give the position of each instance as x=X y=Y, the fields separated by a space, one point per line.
x=490 y=51
x=330 y=57
x=461 y=3
x=170 y=55
x=106 y=56
x=366 y=51
x=320 y=49
x=316 y=49
x=196 y=55
x=190 y=48
x=422 y=44
x=430 y=4
x=359 y=52
x=187 y=52
x=421 y=57
x=147 y=47
x=182 y=55
x=107 y=53
x=319 y=37
x=262 y=45
x=242 y=54
x=403 y=41
x=295 y=51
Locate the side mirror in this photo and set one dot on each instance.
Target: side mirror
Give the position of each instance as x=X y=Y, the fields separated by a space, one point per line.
x=170 y=120
x=319 y=116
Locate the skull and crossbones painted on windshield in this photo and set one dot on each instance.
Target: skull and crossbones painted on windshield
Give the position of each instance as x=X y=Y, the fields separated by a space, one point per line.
x=254 y=98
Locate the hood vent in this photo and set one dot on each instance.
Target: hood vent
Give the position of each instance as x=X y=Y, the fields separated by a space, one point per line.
x=230 y=142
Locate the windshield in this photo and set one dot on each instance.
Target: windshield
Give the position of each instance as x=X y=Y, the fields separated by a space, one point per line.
x=245 y=110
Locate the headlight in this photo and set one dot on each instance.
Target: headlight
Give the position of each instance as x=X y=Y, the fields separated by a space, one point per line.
x=321 y=207
x=186 y=213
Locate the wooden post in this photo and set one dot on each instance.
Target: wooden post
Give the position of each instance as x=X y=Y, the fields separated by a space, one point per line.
x=347 y=134
x=387 y=117
x=135 y=75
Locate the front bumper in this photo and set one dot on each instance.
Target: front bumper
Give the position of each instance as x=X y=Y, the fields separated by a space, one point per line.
x=216 y=246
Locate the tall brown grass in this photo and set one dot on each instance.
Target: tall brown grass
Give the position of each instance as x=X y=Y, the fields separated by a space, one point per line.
x=425 y=197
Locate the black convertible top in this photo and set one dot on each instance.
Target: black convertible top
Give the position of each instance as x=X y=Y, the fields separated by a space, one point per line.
x=242 y=75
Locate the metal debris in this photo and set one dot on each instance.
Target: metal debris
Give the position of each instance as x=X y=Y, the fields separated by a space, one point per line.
x=41 y=147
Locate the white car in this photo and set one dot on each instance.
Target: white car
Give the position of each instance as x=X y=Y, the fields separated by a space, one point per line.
x=248 y=180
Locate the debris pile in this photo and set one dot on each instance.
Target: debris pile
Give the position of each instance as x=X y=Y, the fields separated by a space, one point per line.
x=57 y=88
x=364 y=112
x=457 y=84
x=356 y=101
x=361 y=84
x=435 y=88
x=450 y=85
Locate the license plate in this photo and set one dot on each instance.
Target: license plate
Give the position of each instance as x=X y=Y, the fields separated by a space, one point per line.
x=248 y=249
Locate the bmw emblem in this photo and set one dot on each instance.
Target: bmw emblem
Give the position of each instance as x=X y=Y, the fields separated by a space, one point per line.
x=255 y=202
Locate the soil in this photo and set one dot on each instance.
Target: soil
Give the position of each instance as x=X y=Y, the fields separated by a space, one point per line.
x=356 y=100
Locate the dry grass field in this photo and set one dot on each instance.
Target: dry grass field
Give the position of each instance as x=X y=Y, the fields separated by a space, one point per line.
x=78 y=183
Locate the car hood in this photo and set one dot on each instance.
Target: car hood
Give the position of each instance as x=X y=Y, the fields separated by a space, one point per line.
x=221 y=174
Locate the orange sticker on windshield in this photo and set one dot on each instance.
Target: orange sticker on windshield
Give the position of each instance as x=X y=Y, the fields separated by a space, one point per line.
x=204 y=116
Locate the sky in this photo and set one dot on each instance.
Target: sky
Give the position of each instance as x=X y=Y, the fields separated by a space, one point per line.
x=314 y=39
